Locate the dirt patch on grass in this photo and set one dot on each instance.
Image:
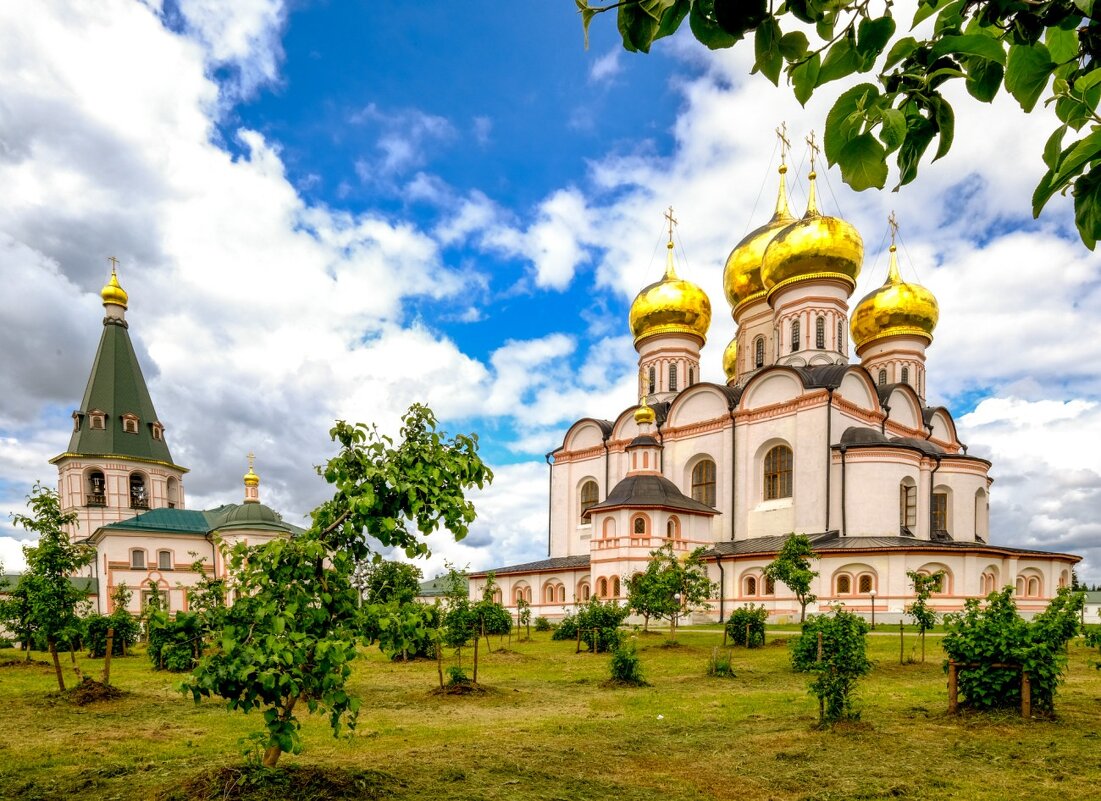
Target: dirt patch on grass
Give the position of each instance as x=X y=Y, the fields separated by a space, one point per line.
x=615 y=684
x=461 y=688
x=300 y=783
x=34 y=664
x=90 y=691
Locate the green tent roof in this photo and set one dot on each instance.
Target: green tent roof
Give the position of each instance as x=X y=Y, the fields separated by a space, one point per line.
x=250 y=516
x=116 y=386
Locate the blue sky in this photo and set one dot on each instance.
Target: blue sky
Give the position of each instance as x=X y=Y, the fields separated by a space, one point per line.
x=336 y=209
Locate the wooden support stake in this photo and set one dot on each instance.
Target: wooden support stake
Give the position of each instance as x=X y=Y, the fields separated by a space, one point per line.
x=901 y=644
x=578 y=640
x=953 y=688
x=1026 y=695
x=107 y=657
x=747 y=645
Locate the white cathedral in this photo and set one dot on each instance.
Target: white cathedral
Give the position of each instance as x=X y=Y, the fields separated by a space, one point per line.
x=799 y=439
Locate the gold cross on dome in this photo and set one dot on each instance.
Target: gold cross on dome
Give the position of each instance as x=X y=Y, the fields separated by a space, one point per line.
x=672 y=221
x=892 y=221
x=813 y=150
x=251 y=459
x=114 y=263
x=785 y=143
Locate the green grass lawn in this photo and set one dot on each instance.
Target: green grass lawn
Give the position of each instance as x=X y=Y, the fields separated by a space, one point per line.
x=550 y=730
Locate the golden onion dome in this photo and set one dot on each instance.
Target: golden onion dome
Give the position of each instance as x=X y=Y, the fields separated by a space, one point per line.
x=895 y=309
x=742 y=273
x=113 y=293
x=251 y=479
x=730 y=359
x=817 y=247
x=670 y=306
x=644 y=415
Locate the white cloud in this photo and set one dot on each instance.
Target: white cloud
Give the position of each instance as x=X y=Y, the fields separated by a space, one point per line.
x=607 y=66
x=404 y=138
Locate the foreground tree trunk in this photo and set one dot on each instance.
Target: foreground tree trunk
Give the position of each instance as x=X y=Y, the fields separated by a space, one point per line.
x=274 y=751
x=57 y=664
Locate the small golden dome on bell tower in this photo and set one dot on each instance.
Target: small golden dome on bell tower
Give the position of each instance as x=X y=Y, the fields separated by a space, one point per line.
x=113 y=293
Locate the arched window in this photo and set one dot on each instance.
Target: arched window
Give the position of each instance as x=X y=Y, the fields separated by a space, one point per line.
x=609 y=527
x=751 y=585
x=759 y=352
x=840 y=337
x=770 y=585
x=844 y=585
x=1033 y=587
x=561 y=593
x=652 y=380
x=980 y=515
x=778 y=473
x=820 y=333
x=940 y=514
x=986 y=584
x=865 y=584
x=672 y=378
x=639 y=526
x=583 y=591
x=602 y=587
x=615 y=586
x=164 y=560
x=672 y=528
x=137 y=559
x=794 y=335
x=691 y=376
x=1064 y=580
x=1021 y=587
x=905 y=375
x=97 y=489
x=173 y=493
x=138 y=497
x=882 y=377
x=703 y=482
x=907 y=507
x=589 y=494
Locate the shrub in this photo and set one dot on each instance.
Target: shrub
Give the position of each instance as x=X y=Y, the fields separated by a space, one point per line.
x=174 y=642
x=720 y=664
x=625 y=665
x=749 y=619
x=844 y=660
x=542 y=624
x=126 y=633
x=456 y=675
x=404 y=630
x=994 y=633
x=5 y=642
x=603 y=617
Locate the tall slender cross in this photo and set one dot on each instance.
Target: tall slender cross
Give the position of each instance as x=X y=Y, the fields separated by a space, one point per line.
x=785 y=143
x=114 y=263
x=672 y=221
x=813 y=150
x=892 y=221
x=251 y=459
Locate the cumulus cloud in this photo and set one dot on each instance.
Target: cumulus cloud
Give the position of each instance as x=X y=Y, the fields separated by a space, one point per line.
x=403 y=138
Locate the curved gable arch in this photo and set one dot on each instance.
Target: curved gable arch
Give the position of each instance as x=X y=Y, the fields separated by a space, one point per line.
x=905 y=407
x=857 y=388
x=770 y=386
x=586 y=433
x=703 y=401
x=942 y=425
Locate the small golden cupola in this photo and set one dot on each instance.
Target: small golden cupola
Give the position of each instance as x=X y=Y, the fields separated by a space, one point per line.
x=252 y=483
x=114 y=296
x=893 y=325
x=742 y=283
x=669 y=321
x=897 y=308
x=815 y=248
x=730 y=360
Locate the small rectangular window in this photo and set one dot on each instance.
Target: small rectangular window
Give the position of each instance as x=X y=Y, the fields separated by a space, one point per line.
x=940 y=512
x=137 y=559
x=164 y=560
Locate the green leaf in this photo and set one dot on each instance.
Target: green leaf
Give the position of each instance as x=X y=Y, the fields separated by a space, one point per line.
x=1084 y=83
x=1087 y=207
x=863 y=163
x=919 y=133
x=804 y=78
x=928 y=9
x=841 y=60
x=637 y=27
x=984 y=78
x=900 y=50
x=893 y=128
x=672 y=17
x=1027 y=71
x=767 y=47
x=701 y=19
x=846 y=119
x=970 y=45
x=1054 y=147
x=872 y=36
x=738 y=17
x=794 y=45
x=1078 y=155
x=945 y=120
x=1062 y=44
x=587 y=15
